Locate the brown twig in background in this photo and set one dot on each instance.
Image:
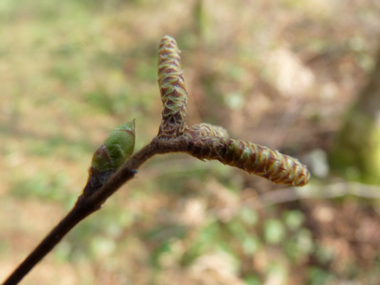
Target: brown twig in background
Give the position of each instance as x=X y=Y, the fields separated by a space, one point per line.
x=203 y=141
x=335 y=190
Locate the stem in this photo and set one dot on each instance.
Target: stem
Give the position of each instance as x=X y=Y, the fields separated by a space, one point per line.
x=86 y=205
x=49 y=242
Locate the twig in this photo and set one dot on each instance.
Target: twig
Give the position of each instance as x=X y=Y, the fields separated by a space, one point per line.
x=77 y=214
x=85 y=206
x=202 y=141
x=315 y=191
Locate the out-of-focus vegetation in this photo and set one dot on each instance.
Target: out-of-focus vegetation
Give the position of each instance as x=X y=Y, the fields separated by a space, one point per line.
x=357 y=146
x=279 y=73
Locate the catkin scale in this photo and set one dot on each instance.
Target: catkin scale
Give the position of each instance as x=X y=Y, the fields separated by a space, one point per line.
x=253 y=158
x=204 y=130
x=172 y=88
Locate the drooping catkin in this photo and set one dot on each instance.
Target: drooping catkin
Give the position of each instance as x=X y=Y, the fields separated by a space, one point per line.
x=172 y=87
x=253 y=158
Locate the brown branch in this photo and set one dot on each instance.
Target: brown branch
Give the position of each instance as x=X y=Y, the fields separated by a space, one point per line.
x=86 y=205
x=77 y=214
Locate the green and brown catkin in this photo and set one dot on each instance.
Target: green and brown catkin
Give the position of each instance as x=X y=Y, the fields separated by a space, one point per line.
x=172 y=87
x=253 y=158
x=204 y=130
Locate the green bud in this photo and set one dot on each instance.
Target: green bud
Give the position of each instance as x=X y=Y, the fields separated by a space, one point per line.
x=117 y=147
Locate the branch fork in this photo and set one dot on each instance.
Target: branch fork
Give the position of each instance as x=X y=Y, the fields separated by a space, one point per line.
x=113 y=163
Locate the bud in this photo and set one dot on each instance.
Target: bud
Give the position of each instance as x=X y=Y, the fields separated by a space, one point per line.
x=117 y=147
x=107 y=159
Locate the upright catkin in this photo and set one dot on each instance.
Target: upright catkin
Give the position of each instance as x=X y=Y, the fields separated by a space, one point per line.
x=172 y=87
x=253 y=158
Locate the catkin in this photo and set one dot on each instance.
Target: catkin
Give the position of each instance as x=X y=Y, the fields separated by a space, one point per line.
x=204 y=130
x=172 y=87
x=253 y=158
x=206 y=141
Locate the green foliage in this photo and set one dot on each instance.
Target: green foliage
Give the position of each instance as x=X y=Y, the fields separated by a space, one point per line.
x=248 y=216
x=319 y=276
x=274 y=231
x=252 y=280
x=45 y=185
x=293 y=219
x=356 y=151
x=299 y=245
x=250 y=245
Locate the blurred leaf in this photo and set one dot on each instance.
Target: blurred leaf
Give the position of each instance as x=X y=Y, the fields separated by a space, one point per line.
x=100 y=246
x=294 y=219
x=274 y=231
x=234 y=100
x=299 y=245
x=161 y=233
x=62 y=252
x=250 y=245
x=318 y=276
x=5 y=247
x=248 y=216
x=236 y=227
x=277 y=271
x=159 y=251
x=44 y=185
x=207 y=239
x=324 y=255
x=147 y=71
x=252 y=280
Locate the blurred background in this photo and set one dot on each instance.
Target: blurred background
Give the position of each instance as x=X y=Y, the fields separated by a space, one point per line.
x=298 y=76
